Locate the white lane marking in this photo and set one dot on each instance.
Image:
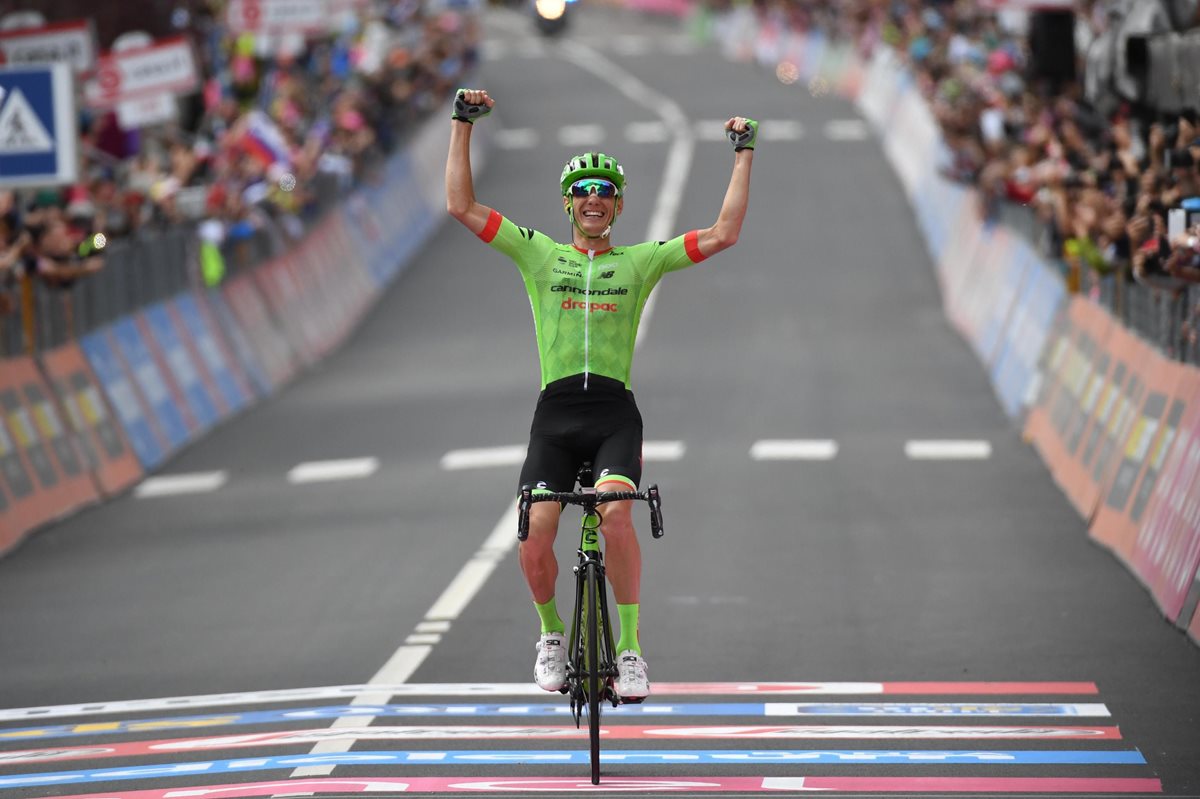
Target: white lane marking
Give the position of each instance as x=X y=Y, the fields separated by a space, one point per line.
x=325 y=471
x=710 y=129
x=846 y=130
x=516 y=138
x=646 y=132
x=947 y=450
x=780 y=130
x=666 y=209
x=483 y=457
x=172 y=484
x=781 y=449
x=423 y=638
x=662 y=450
x=631 y=45
x=433 y=627
x=580 y=135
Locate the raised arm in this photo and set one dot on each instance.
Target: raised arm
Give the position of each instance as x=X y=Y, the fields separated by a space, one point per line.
x=724 y=233
x=469 y=105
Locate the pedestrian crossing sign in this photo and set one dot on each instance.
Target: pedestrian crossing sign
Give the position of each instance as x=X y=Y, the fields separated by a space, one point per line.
x=38 y=126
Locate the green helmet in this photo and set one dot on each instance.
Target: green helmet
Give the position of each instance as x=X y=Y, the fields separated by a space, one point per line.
x=592 y=165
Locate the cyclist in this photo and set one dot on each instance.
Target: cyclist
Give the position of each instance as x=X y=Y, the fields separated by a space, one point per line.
x=587 y=298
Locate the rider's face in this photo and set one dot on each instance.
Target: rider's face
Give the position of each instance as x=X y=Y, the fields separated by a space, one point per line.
x=594 y=213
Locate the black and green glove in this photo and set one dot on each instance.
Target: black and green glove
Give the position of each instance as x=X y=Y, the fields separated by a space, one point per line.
x=746 y=139
x=465 y=112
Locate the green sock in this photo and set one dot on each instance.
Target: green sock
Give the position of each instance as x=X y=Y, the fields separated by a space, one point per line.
x=548 y=613
x=629 y=628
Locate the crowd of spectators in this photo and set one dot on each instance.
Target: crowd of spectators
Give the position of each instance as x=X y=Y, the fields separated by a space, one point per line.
x=1105 y=189
x=272 y=138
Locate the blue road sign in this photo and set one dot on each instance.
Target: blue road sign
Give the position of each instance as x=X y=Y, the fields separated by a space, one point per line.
x=38 y=126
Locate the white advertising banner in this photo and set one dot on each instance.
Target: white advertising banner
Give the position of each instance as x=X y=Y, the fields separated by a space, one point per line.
x=165 y=67
x=72 y=43
x=153 y=109
x=277 y=16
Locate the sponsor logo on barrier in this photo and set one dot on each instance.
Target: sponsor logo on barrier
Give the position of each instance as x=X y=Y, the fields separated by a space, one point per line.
x=1108 y=402
x=19 y=483
x=27 y=438
x=51 y=428
x=78 y=421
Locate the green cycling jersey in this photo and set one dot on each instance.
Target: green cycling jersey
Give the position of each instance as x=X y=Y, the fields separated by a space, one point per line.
x=587 y=304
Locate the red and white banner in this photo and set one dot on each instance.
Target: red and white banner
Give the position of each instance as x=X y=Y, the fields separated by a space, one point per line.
x=277 y=16
x=71 y=43
x=165 y=67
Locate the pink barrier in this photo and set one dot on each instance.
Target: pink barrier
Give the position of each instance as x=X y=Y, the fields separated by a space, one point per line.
x=1166 y=553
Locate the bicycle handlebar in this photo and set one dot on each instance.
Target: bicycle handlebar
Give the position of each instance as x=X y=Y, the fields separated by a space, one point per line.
x=590 y=500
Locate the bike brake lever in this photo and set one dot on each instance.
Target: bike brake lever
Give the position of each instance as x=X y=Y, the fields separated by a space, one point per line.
x=523 y=514
x=656 y=522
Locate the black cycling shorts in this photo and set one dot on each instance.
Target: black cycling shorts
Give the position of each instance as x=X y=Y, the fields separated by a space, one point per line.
x=572 y=426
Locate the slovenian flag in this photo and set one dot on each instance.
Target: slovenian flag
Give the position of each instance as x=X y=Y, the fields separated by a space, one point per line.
x=264 y=141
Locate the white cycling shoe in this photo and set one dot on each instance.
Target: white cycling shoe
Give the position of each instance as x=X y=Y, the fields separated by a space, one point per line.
x=632 y=684
x=550 y=668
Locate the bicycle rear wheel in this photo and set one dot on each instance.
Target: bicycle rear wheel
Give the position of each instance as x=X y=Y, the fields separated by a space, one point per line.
x=594 y=680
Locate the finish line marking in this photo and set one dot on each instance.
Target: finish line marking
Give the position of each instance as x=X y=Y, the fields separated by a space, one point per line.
x=915 y=785
x=529 y=689
x=357 y=715
x=620 y=732
x=579 y=757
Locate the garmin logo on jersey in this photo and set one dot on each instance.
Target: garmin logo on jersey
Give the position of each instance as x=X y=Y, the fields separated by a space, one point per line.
x=567 y=272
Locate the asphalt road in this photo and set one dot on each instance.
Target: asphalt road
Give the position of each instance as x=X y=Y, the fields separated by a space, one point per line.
x=919 y=579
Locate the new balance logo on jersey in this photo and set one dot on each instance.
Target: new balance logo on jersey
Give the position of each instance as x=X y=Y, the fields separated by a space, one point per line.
x=607 y=275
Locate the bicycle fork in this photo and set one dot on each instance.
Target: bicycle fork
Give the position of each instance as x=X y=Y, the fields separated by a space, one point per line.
x=590 y=559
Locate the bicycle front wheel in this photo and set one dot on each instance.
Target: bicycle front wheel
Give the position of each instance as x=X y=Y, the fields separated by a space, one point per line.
x=594 y=680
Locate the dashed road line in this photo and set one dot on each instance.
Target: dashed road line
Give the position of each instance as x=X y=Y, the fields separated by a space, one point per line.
x=947 y=450
x=779 y=449
x=176 y=484
x=516 y=138
x=646 y=132
x=483 y=457
x=328 y=471
x=580 y=135
x=781 y=130
x=661 y=451
x=846 y=130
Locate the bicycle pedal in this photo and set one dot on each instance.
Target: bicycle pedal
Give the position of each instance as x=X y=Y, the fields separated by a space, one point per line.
x=633 y=700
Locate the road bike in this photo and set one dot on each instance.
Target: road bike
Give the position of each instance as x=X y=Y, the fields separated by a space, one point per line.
x=591 y=661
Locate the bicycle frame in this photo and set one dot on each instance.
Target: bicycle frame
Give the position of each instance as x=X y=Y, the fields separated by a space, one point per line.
x=579 y=667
